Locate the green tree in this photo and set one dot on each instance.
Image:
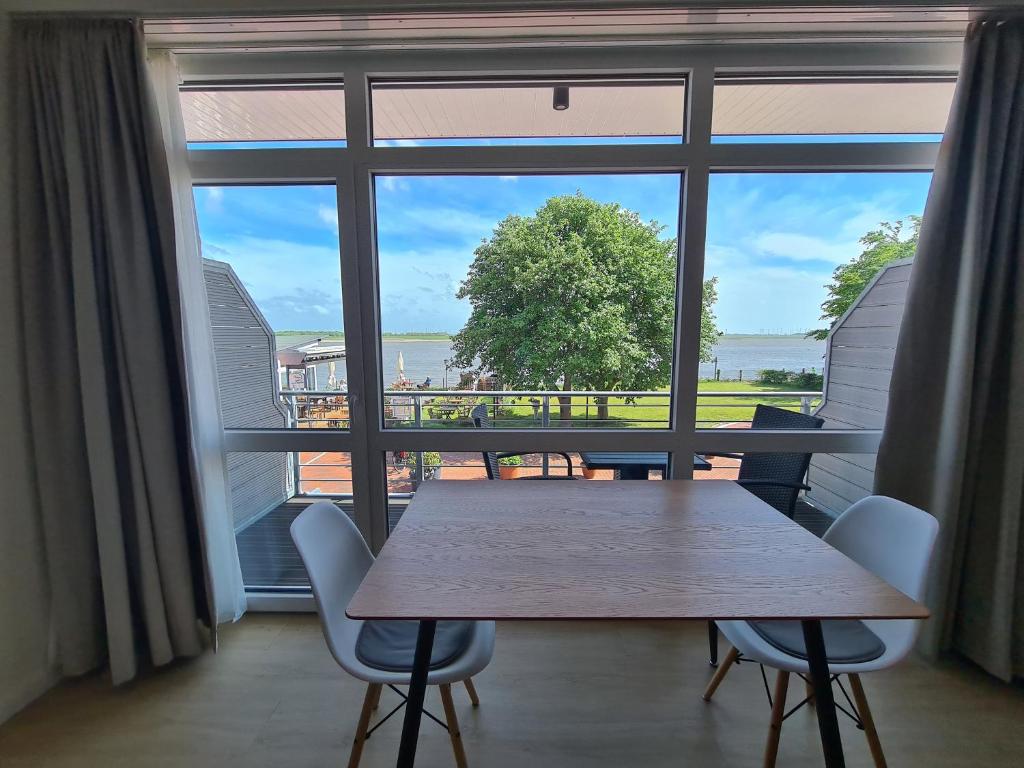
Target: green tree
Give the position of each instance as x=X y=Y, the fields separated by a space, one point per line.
x=580 y=295
x=881 y=246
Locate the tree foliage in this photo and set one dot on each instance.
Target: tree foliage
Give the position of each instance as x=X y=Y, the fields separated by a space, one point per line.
x=580 y=295
x=881 y=246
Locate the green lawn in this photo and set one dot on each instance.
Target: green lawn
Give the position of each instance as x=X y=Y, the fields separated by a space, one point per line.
x=649 y=412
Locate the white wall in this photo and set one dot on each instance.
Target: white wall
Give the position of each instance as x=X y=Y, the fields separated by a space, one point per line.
x=25 y=671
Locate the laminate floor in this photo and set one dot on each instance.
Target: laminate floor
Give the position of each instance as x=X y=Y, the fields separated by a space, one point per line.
x=557 y=694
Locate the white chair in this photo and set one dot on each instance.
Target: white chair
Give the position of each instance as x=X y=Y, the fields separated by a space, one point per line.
x=894 y=541
x=337 y=559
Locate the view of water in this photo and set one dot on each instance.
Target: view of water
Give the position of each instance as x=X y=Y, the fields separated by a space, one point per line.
x=748 y=354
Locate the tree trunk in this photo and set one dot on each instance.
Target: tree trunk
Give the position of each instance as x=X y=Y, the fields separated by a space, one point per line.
x=602 y=408
x=565 y=403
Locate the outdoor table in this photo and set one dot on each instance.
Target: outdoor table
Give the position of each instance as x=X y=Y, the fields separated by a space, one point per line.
x=634 y=465
x=618 y=550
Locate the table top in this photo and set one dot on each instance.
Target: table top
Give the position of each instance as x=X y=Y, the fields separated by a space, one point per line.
x=629 y=549
x=652 y=459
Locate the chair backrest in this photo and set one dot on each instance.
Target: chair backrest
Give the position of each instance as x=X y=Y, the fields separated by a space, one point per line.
x=784 y=467
x=891 y=539
x=483 y=421
x=336 y=558
x=895 y=542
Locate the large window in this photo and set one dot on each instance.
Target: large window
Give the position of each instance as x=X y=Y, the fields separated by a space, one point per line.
x=787 y=255
x=271 y=263
x=583 y=251
x=547 y=300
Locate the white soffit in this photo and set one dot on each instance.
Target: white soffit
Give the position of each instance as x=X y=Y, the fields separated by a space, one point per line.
x=831 y=107
x=412 y=30
x=271 y=114
x=742 y=106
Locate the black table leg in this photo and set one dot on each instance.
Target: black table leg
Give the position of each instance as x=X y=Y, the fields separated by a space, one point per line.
x=713 y=643
x=821 y=681
x=632 y=472
x=417 y=690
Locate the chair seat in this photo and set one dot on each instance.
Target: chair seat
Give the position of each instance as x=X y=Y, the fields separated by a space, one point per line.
x=846 y=642
x=390 y=645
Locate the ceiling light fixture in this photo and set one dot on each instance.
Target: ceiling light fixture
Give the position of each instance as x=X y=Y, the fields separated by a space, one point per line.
x=560 y=100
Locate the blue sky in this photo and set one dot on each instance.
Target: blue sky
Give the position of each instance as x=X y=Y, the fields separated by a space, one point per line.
x=773 y=239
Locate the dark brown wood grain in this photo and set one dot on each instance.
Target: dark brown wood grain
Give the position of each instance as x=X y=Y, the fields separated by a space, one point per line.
x=694 y=549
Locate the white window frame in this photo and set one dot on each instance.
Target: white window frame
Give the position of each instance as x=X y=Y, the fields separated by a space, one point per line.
x=352 y=170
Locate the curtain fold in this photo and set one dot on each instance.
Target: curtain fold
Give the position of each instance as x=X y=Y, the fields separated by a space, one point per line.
x=98 y=288
x=954 y=435
x=225 y=574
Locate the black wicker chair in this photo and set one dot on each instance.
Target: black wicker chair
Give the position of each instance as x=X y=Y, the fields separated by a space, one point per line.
x=483 y=421
x=775 y=478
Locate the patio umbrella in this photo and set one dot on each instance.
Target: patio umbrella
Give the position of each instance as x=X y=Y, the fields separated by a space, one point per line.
x=332 y=382
x=401 y=366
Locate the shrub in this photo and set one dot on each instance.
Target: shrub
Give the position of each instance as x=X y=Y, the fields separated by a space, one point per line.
x=511 y=461
x=807 y=380
x=430 y=459
x=774 y=377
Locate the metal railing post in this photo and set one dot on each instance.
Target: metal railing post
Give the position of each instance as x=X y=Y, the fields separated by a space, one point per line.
x=296 y=473
x=417 y=414
x=805 y=405
x=545 y=422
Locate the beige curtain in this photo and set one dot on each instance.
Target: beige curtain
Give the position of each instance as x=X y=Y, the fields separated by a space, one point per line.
x=954 y=436
x=95 y=252
x=227 y=591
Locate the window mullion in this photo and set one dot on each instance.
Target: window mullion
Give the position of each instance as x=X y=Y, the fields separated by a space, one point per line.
x=692 y=228
x=357 y=270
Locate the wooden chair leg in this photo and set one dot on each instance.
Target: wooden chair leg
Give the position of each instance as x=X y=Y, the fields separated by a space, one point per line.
x=720 y=673
x=376 y=697
x=771 y=749
x=471 y=690
x=864 y=712
x=810 y=692
x=453 y=725
x=372 y=693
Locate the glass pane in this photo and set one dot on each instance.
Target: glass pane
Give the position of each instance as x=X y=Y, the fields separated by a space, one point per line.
x=546 y=301
x=257 y=117
x=784 y=109
x=806 y=271
x=272 y=269
x=408 y=470
x=268 y=491
x=555 y=111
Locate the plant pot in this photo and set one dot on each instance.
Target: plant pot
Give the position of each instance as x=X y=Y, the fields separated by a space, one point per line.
x=588 y=473
x=432 y=473
x=509 y=472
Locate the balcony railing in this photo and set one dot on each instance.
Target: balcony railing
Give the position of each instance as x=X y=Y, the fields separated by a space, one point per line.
x=525 y=409
x=511 y=409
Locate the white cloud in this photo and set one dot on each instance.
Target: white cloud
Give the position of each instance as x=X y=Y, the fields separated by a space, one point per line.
x=797 y=247
x=508 y=178
x=214 y=199
x=768 y=299
x=452 y=222
x=328 y=216
x=271 y=268
x=392 y=184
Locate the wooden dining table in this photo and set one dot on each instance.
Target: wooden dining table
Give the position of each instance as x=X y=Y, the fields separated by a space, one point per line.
x=614 y=550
